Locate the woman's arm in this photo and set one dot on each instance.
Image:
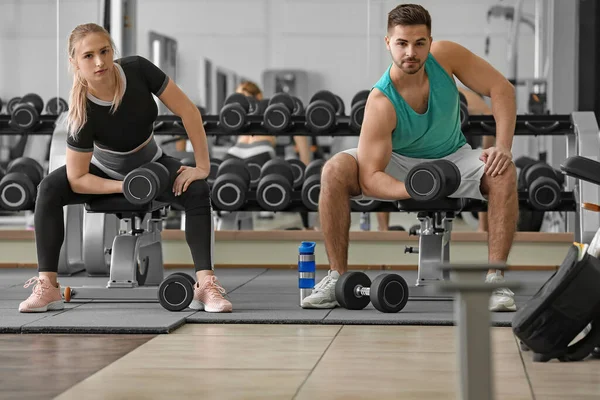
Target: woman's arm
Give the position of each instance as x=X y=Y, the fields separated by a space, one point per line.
x=182 y=106
x=80 y=179
x=303 y=149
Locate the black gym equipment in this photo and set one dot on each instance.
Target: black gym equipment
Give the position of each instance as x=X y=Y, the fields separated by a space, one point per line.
x=366 y=205
x=230 y=188
x=274 y=191
x=357 y=112
x=432 y=180
x=146 y=183
x=18 y=188
x=176 y=292
x=10 y=106
x=387 y=292
x=233 y=115
x=321 y=112
x=542 y=184
x=56 y=106
x=298 y=167
x=278 y=115
x=26 y=113
x=311 y=187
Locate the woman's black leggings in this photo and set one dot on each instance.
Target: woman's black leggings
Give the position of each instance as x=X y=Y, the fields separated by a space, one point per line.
x=54 y=192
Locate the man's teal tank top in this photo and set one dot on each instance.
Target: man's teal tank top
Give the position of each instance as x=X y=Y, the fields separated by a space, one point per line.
x=435 y=133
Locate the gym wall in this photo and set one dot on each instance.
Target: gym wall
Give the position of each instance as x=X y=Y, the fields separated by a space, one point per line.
x=339 y=42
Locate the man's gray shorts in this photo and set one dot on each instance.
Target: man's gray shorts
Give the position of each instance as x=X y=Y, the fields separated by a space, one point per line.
x=466 y=159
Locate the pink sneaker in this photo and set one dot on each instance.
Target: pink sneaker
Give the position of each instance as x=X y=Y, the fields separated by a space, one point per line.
x=45 y=297
x=208 y=296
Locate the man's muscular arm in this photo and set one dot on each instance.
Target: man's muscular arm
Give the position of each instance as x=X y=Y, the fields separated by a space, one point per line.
x=375 y=150
x=479 y=76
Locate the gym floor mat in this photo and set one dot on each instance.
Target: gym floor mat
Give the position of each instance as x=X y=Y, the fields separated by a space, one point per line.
x=259 y=295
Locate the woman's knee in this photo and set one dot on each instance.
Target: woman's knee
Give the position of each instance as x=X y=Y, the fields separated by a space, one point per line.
x=197 y=195
x=50 y=190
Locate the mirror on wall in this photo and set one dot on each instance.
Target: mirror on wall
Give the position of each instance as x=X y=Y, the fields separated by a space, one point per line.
x=210 y=48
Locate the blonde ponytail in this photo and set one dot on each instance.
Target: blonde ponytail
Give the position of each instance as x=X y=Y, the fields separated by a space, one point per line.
x=77 y=116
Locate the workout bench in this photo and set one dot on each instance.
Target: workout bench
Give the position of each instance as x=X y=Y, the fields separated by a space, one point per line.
x=136 y=260
x=436 y=217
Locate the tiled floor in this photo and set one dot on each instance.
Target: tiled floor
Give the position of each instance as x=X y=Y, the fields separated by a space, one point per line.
x=299 y=362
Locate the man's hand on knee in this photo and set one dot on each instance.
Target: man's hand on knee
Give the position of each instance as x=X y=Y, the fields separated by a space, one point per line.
x=496 y=160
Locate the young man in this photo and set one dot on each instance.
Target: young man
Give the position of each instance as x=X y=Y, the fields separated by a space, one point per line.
x=412 y=114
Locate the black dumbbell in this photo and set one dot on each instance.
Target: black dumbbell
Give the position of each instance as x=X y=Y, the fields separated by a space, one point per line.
x=321 y=112
x=18 y=188
x=357 y=112
x=340 y=108
x=56 y=106
x=432 y=180
x=144 y=184
x=274 y=191
x=237 y=107
x=298 y=106
x=298 y=167
x=312 y=185
x=388 y=292
x=176 y=292
x=542 y=184
x=10 y=106
x=364 y=205
x=26 y=113
x=230 y=188
x=278 y=115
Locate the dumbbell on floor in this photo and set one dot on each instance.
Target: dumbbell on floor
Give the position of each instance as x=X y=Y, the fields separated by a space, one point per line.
x=231 y=185
x=432 y=180
x=144 y=184
x=274 y=191
x=26 y=113
x=387 y=292
x=18 y=188
x=311 y=187
x=176 y=292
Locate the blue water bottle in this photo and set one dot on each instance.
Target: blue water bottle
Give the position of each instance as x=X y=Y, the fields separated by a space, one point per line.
x=306 y=269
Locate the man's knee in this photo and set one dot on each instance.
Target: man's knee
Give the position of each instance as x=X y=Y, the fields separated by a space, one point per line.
x=341 y=169
x=506 y=181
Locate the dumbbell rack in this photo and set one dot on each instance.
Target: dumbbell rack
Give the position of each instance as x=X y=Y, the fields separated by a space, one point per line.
x=478 y=125
x=555 y=125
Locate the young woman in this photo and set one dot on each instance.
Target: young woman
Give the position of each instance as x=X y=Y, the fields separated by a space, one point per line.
x=110 y=121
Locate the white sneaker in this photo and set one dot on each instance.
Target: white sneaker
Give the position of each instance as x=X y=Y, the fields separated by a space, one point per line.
x=323 y=295
x=502 y=299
